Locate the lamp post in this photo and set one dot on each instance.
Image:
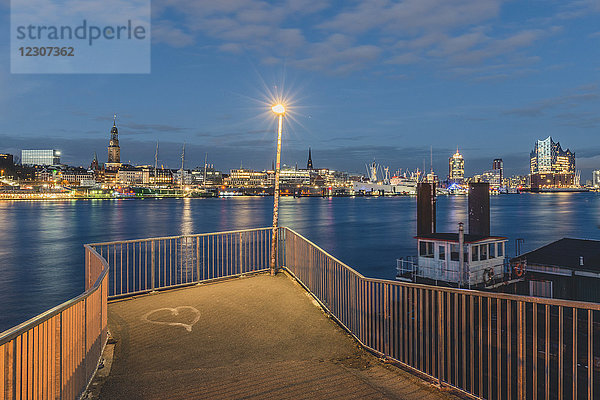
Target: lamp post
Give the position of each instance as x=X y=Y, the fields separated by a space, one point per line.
x=279 y=110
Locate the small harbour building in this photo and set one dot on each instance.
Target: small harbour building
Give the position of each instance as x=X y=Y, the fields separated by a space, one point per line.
x=482 y=263
x=468 y=260
x=565 y=269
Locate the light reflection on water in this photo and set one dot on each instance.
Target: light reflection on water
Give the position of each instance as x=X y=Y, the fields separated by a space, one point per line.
x=41 y=243
x=187 y=223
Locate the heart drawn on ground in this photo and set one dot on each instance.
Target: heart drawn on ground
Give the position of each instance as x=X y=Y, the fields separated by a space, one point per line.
x=185 y=316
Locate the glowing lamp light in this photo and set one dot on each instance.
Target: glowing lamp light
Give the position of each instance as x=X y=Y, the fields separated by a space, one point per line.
x=278 y=109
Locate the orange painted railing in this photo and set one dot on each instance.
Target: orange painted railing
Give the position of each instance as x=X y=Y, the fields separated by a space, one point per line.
x=55 y=354
x=484 y=344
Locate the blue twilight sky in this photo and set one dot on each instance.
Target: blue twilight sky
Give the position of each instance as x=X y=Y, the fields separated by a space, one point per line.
x=372 y=79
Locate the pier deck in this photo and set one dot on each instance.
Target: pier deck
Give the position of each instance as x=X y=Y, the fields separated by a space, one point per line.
x=247 y=338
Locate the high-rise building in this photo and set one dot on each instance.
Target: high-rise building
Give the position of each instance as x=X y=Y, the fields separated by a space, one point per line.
x=498 y=165
x=456 y=168
x=549 y=157
x=114 y=151
x=492 y=177
x=551 y=166
x=40 y=157
x=596 y=178
x=309 y=164
x=7 y=164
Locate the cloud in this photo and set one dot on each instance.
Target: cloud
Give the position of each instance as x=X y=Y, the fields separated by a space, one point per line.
x=412 y=15
x=134 y=128
x=352 y=35
x=151 y=128
x=166 y=32
x=578 y=8
x=586 y=120
x=580 y=97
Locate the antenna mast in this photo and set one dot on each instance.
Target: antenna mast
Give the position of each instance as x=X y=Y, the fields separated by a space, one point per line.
x=182 y=163
x=431 y=159
x=204 y=178
x=156 y=163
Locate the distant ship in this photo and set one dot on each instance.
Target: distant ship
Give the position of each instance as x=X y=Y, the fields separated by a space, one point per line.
x=405 y=184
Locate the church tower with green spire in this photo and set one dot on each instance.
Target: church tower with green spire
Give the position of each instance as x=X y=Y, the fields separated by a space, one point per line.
x=114 y=151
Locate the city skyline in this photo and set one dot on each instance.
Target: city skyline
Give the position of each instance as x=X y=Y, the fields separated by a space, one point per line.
x=487 y=76
x=456 y=172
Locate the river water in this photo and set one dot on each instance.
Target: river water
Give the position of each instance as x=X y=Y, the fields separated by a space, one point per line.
x=41 y=243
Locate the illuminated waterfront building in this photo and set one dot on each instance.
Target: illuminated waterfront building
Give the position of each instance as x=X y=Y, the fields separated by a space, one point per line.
x=247 y=178
x=160 y=176
x=63 y=174
x=456 y=168
x=114 y=151
x=551 y=166
x=250 y=178
x=495 y=176
x=133 y=176
x=292 y=176
x=207 y=175
x=518 y=181
x=596 y=178
x=7 y=165
x=498 y=165
x=431 y=178
x=182 y=177
x=492 y=177
x=40 y=157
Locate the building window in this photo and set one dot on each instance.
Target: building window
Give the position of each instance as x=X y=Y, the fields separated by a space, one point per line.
x=426 y=249
x=454 y=252
x=442 y=252
x=492 y=250
x=474 y=253
x=501 y=249
x=484 y=252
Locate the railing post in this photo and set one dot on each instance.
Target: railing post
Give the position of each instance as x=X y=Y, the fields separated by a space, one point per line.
x=520 y=351
x=85 y=358
x=241 y=260
x=87 y=269
x=61 y=360
x=386 y=321
x=197 y=258
x=440 y=339
x=282 y=247
x=152 y=264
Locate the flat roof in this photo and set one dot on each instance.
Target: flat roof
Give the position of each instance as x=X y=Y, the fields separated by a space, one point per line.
x=453 y=237
x=565 y=253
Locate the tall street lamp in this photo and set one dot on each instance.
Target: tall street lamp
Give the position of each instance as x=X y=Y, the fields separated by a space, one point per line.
x=279 y=110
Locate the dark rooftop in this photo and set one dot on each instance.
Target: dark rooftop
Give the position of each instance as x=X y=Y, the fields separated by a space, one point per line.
x=566 y=252
x=453 y=237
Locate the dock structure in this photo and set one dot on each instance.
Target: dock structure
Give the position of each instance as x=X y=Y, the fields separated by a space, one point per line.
x=256 y=337
x=198 y=316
